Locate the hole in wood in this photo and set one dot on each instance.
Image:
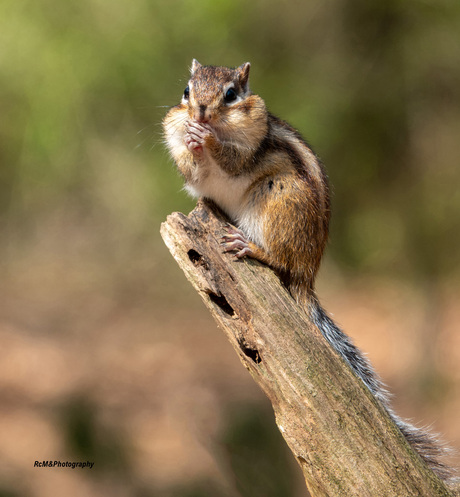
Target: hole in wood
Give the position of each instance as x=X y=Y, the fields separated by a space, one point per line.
x=194 y=256
x=301 y=460
x=197 y=258
x=221 y=301
x=251 y=352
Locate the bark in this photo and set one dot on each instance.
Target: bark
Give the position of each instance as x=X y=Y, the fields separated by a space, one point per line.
x=342 y=438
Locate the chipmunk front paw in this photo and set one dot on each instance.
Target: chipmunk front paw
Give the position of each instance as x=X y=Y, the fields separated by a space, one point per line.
x=196 y=135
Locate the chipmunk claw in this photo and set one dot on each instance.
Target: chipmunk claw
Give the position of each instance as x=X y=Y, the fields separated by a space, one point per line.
x=198 y=131
x=235 y=240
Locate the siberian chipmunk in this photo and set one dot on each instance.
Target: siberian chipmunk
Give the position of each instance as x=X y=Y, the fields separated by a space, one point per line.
x=265 y=177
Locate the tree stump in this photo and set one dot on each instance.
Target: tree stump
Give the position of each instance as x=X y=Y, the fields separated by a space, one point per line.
x=343 y=439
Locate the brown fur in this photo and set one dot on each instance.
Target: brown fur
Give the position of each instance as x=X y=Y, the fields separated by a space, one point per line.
x=287 y=185
x=259 y=170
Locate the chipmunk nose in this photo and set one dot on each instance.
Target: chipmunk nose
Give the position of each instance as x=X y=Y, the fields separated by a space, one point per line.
x=202 y=114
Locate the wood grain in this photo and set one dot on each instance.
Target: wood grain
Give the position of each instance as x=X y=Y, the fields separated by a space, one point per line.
x=343 y=439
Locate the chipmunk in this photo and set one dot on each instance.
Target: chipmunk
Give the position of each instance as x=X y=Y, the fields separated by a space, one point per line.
x=256 y=168
x=266 y=178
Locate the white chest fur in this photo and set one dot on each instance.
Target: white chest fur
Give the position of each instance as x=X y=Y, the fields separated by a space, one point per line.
x=230 y=193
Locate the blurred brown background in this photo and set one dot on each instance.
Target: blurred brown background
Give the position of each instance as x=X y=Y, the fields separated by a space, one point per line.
x=107 y=354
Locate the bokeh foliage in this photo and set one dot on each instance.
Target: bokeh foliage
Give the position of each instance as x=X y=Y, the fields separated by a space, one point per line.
x=372 y=85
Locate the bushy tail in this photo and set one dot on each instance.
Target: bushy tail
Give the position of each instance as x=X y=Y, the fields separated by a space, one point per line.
x=426 y=444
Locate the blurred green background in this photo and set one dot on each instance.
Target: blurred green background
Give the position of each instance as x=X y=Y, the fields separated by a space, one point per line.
x=107 y=354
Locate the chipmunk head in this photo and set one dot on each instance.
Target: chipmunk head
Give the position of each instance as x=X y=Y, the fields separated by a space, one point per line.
x=212 y=91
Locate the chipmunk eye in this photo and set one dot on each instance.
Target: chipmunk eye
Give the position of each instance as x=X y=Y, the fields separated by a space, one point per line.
x=231 y=95
x=187 y=93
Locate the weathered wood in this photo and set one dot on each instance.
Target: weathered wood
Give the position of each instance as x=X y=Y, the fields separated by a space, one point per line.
x=344 y=441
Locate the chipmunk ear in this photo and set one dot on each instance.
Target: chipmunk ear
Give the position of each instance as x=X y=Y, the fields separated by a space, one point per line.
x=243 y=71
x=195 y=65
